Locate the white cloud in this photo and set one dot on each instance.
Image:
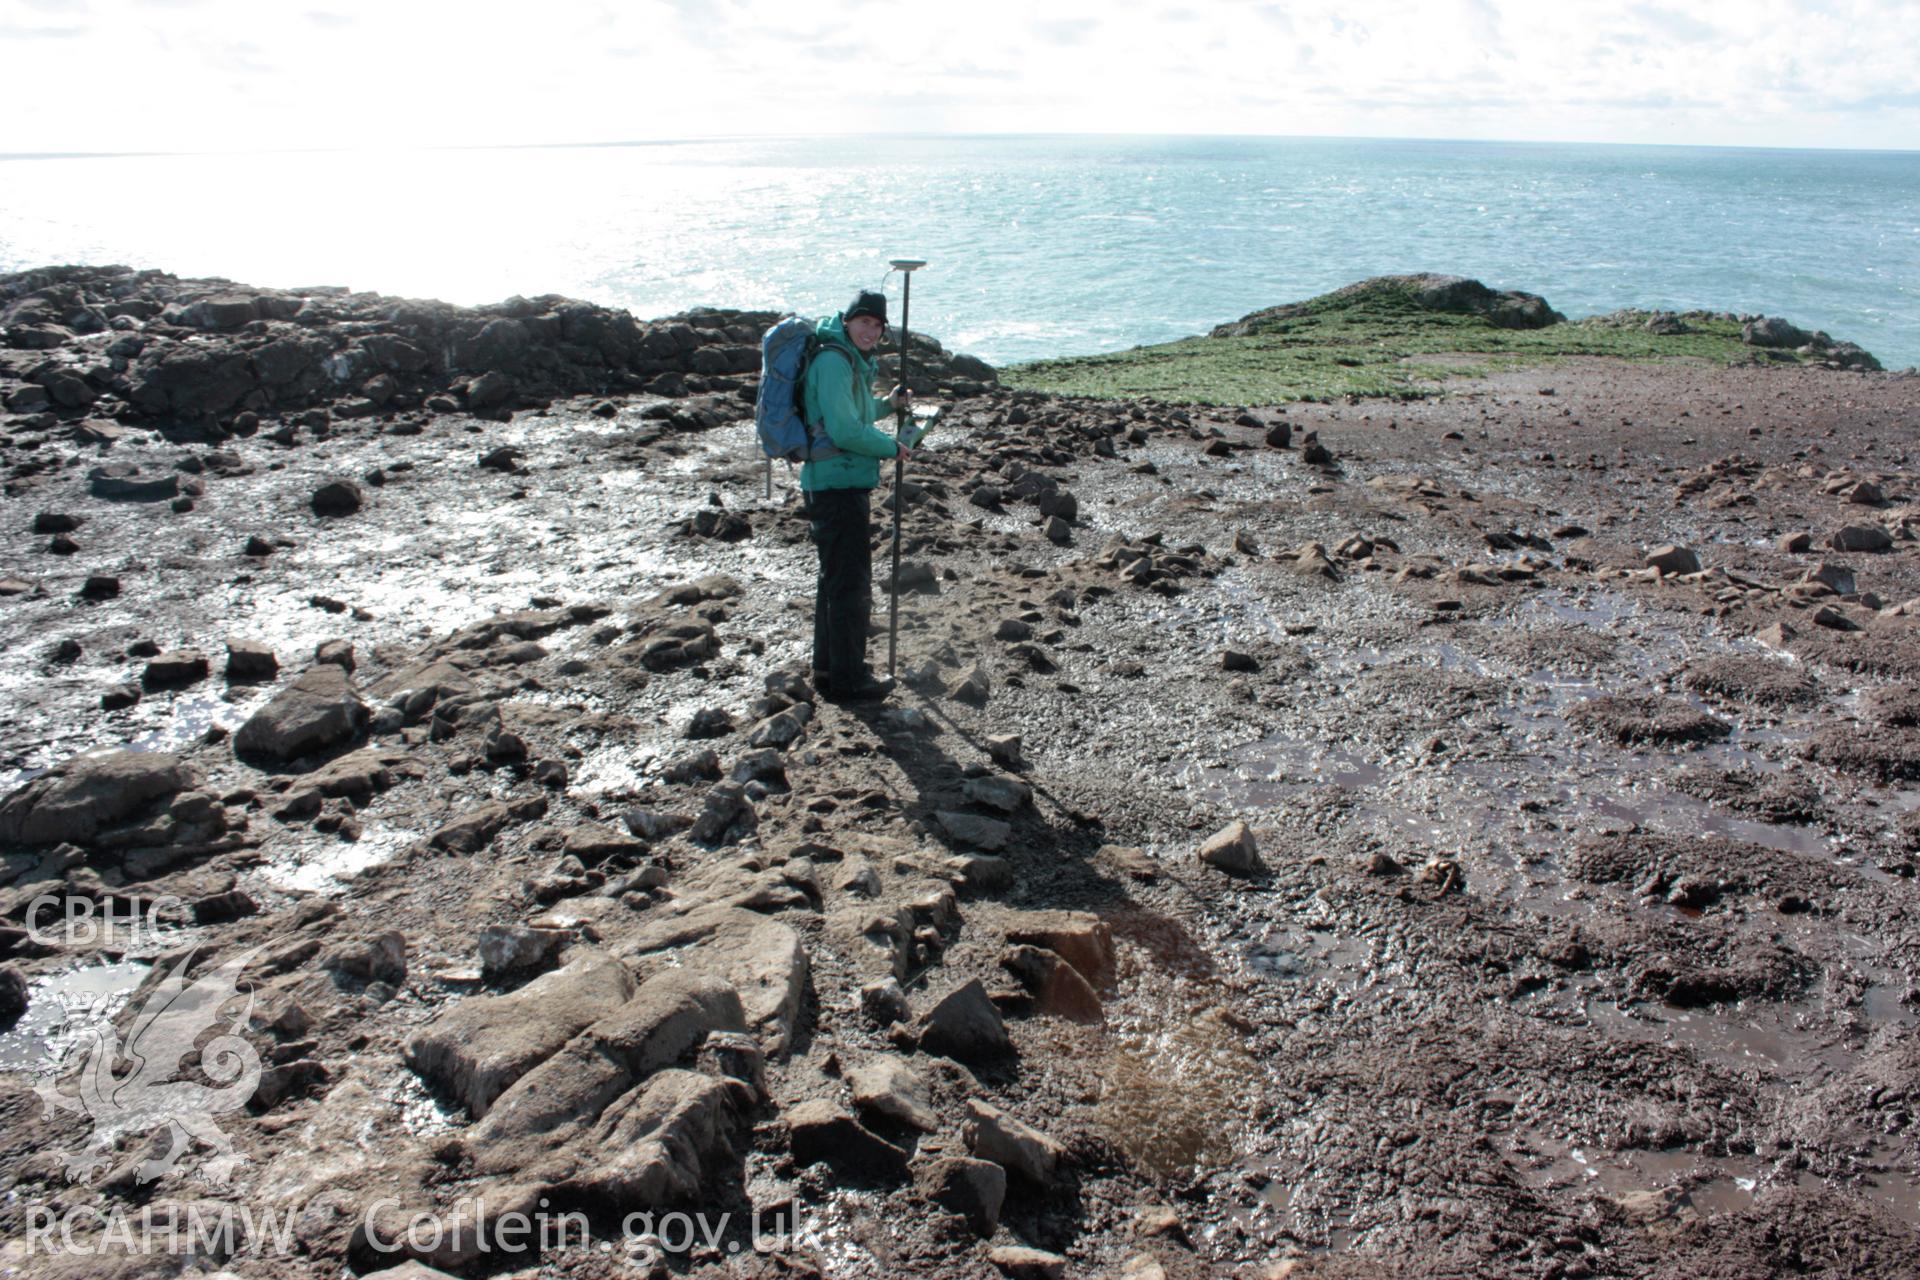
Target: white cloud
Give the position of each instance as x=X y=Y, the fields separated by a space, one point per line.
x=107 y=75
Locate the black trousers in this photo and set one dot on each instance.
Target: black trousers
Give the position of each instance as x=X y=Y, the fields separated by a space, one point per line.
x=843 y=594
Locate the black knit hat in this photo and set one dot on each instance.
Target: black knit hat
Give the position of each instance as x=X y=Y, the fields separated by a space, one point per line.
x=868 y=302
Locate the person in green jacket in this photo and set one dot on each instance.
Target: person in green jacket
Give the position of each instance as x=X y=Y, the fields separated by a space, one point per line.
x=839 y=403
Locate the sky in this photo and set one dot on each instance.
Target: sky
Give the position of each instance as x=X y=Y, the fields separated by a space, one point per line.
x=239 y=75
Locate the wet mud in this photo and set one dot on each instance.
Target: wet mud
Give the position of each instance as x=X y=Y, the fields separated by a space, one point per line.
x=1584 y=937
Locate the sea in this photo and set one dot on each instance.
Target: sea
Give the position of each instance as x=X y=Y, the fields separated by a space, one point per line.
x=1035 y=246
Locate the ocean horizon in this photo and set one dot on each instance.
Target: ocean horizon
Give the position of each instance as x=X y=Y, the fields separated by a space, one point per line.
x=1037 y=245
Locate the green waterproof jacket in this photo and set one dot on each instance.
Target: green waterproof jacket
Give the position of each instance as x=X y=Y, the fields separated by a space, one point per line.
x=840 y=400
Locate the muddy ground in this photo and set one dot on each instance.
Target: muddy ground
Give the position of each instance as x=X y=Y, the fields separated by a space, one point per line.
x=1578 y=936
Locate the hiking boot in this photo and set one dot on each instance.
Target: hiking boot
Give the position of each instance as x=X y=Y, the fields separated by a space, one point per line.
x=868 y=690
x=822 y=680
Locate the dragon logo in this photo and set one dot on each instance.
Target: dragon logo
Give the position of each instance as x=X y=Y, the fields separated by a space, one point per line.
x=145 y=1097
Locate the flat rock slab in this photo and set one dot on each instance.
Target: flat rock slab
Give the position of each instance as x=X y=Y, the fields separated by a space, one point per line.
x=478 y=1048
x=529 y=1128
x=1013 y=1144
x=762 y=959
x=80 y=797
x=123 y=482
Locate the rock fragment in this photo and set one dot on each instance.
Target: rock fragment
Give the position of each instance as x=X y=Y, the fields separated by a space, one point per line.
x=1233 y=850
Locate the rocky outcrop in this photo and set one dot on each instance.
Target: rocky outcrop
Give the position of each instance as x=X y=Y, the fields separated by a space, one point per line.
x=146 y=345
x=1503 y=309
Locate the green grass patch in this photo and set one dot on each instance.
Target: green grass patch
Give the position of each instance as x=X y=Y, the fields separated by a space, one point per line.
x=1370 y=342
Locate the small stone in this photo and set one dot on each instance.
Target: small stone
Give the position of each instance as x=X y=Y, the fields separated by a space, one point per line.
x=1129 y=860
x=1233 y=850
x=1670 y=560
x=119 y=697
x=182 y=666
x=971 y=1189
x=100 y=586
x=820 y=1132
x=891 y=1089
x=1023 y=1263
x=250 y=661
x=1004 y=750
x=1017 y=1147
x=337 y=497
x=1794 y=544
x=885 y=1002
x=965 y=1026
x=1234 y=660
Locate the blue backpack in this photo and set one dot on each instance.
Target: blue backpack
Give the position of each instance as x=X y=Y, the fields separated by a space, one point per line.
x=779 y=412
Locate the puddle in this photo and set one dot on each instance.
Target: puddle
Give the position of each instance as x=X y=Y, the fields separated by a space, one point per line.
x=1736 y=1037
x=324 y=864
x=1597 y=609
x=1269 y=771
x=62 y=1008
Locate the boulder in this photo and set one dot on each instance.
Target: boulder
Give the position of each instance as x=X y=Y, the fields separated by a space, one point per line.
x=77 y=799
x=381 y=958
x=14 y=995
x=509 y=949
x=965 y=1026
x=480 y=1046
x=317 y=712
x=995 y=791
x=657 y=1145
x=972 y=829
